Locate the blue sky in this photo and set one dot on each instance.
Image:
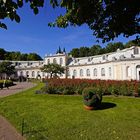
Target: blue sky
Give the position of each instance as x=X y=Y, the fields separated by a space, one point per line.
x=32 y=34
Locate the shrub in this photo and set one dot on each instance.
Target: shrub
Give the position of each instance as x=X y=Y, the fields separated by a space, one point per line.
x=76 y=86
x=7 y=83
x=92 y=97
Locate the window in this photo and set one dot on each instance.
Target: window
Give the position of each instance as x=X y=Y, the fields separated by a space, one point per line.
x=48 y=61
x=109 y=71
x=128 y=71
x=103 y=57
x=74 y=73
x=21 y=73
x=54 y=61
x=81 y=72
x=136 y=51
x=38 y=73
x=61 y=61
x=43 y=74
x=27 y=73
x=33 y=74
x=68 y=73
x=95 y=72
x=88 y=72
x=102 y=72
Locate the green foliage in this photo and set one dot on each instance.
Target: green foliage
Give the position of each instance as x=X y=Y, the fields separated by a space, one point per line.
x=6 y=83
x=92 y=97
x=97 y=49
x=53 y=69
x=52 y=115
x=107 y=19
x=18 y=56
x=7 y=68
x=8 y=9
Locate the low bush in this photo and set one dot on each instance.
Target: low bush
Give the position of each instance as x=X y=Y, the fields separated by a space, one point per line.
x=92 y=97
x=76 y=86
x=6 y=83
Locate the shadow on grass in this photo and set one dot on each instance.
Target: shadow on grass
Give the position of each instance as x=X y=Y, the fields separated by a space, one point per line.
x=106 y=105
x=37 y=134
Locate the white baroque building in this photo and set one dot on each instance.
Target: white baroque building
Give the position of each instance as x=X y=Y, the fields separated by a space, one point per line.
x=119 y=65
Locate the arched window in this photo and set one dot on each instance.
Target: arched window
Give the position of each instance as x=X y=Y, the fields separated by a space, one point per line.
x=33 y=74
x=61 y=61
x=136 y=51
x=81 y=72
x=68 y=73
x=95 y=72
x=88 y=72
x=48 y=61
x=21 y=73
x=128 y=71
x=109 y=71
x=38 y=73
x=43 y=74
x=27 y=73
x=102 y=72
x=54 y=61
x=74 y=73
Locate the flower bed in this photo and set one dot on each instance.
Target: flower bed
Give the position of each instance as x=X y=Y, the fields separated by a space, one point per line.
x=76 y=86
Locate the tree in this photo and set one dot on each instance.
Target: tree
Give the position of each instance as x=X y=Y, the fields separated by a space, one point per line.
x=7 y=68
x=106 y=18
x=2 y=54
x=132 y=43
x=18 y=56
x=83 y=51
x=53 y=69
x=95 y=50
x=75 y=52
x=112 y=47
x=33 y=57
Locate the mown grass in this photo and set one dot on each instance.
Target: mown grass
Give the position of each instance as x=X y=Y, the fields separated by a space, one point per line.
x=58 y=117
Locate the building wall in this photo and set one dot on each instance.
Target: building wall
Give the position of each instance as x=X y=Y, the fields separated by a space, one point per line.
x=119 y=65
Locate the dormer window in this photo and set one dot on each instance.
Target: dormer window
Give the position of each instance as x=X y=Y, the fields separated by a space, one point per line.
x=104 y=57
x=136 y=51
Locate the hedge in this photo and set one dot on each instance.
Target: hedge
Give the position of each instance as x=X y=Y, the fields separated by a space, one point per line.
x=8 y=83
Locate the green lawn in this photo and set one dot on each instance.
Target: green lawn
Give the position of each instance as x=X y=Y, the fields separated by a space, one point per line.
x=58 y=117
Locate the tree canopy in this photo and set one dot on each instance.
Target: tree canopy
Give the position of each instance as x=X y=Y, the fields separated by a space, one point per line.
x=53 y=69
x=106 y=18
x=18 y=56
x=97 y=49
x=7 y=68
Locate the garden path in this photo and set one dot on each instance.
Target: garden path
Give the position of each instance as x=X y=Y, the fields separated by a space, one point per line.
x=7 y=131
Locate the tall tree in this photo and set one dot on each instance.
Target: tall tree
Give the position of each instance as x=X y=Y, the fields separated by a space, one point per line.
x=75 y=52
x=33 y=57
x=83 y=51
x=132 y=43
x=95 y=50
x=2 y=54
x=53 y=69
x=112 y=47
x=7 y=68
x=106 y=18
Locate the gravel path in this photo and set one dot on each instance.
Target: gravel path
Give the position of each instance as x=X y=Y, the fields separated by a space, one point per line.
x=7 y=131
x=15 y=89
